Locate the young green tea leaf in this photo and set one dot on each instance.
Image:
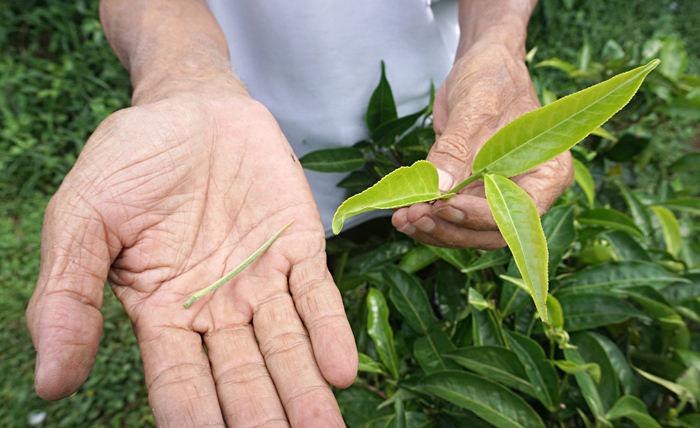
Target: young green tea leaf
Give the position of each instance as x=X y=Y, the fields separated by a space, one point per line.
x=238 y=268
x=489 y=400
x=690 y=205
x=379 y=329
x=540 y=135
x=592 y=369
x=341 y=159
x=671 y=228
x=519 y=222
x=585 y=181
x=404 y=186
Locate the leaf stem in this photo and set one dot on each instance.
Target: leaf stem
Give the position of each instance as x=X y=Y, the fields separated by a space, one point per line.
x=478 y=176
x=238 y=268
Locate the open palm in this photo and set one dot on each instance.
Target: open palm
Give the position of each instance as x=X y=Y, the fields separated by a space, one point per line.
x=165 y=199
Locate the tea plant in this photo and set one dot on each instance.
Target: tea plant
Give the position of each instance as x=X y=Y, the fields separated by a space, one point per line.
x=451 y=338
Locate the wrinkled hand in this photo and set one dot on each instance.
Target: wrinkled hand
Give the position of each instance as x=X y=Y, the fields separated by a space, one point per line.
x=165 y=199
x=487 y=88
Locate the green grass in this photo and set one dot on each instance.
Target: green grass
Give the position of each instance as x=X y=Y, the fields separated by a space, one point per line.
x=59 y=79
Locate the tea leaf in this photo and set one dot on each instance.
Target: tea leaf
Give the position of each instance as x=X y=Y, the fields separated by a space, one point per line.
x=585 y=181
x=540 y=135
x=690 y=205
x=403 y=186
x=519 y=222
x=382 y=107
x=671 y=228
x=634 y=409
x=586 y=384
x=613 y=219
x=588 y=311
x=490 y=401
x=341 y=159
x=496 y=363
x=539 y=369
x=428 y=352
x=379 y=329
x=608 y=276
x=410 y=299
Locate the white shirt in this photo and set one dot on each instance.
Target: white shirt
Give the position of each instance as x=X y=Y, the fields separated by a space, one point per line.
x=315 y=63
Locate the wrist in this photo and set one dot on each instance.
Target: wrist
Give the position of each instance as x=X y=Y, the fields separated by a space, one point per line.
x=205 y=81
x=498 y=23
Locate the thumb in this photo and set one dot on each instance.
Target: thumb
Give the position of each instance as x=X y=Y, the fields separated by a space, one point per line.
x=453 y=158
x=63 y=316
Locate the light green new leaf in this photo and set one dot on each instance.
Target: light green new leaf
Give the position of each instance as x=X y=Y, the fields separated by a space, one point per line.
x=367 y=364
x=690 y=205
x=404 y=186
x=519 y=222
x=477 y=300
x=341 y=159
x=584 y=179
x=488 y=400
x=671 y=228
x=681 y=391
x=496 y=363
x=540 y=135
x=586 y=384
x=569 y=367
x=634 y=409
x=538 y=368
x=379 y=329
x=604 y=133
x=610 y=218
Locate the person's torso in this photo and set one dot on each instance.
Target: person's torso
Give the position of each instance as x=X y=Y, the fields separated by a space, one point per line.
x=315 y=63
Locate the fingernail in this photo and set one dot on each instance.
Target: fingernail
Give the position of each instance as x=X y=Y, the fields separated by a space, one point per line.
x=450 y=214
x=425 y=224
x=446 y=181
x=409 y=229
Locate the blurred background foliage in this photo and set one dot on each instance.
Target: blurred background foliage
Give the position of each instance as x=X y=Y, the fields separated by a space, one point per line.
x=59 y=79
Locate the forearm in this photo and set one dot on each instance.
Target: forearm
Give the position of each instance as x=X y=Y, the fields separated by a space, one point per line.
x=166 y=43
x=494 y=21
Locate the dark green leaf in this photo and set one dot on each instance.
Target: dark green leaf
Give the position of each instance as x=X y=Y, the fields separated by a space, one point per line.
x=538 y=368
x=495 y=363
x=409 y=298
x=417 y=259
x=457 y=258
x=386 y=253
x=587 y=311
x=618 y=361
x=379 y=329
x=633 y=409
x=639 y=212
x=626 y=247
x=612 y=219
x=558 y=226
x=341 y=159
x=592 y=352
x=428 y=351
x=382 y=107
x=359 y=405
x=356 y=182
x=685 y=163
x=488 y=400
x=586 y=384
x=627 y=147
x=605 y=277
x=485 y=328
x=488 y=259
x=388 y=132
